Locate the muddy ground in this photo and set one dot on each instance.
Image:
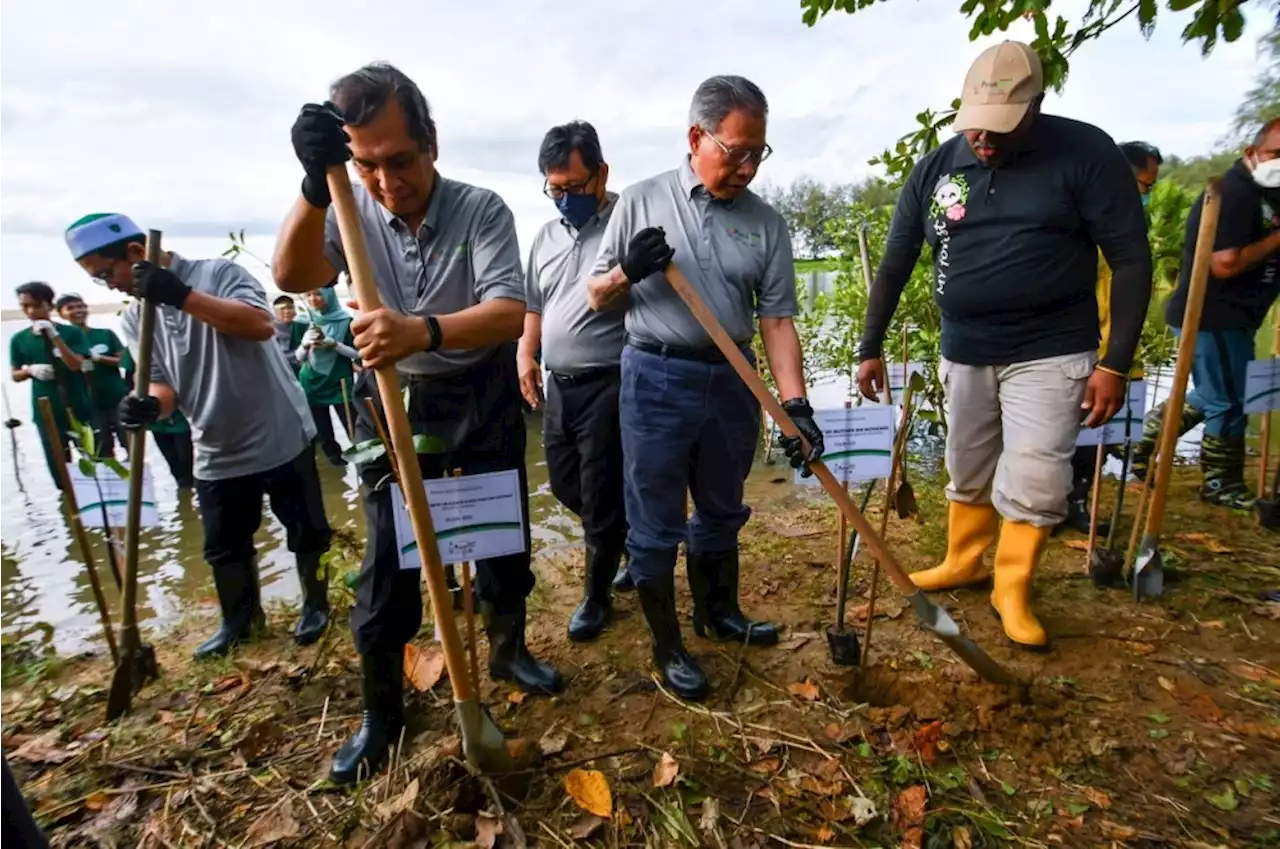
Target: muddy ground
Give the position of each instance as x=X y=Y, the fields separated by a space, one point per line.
x=1149 y=725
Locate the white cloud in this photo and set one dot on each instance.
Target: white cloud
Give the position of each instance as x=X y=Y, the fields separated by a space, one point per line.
x=179 y=113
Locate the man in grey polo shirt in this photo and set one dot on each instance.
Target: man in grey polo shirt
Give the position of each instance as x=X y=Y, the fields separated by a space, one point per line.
x=581 y=349
x=448 y=270
x=213 y=359
x=688 y=421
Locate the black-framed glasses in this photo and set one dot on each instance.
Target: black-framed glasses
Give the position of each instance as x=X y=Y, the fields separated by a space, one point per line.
x=557 y=192
x=739 y=156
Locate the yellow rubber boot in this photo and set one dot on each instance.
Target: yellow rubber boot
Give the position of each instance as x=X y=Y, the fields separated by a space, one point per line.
x=1017 y=556
x=971 y=530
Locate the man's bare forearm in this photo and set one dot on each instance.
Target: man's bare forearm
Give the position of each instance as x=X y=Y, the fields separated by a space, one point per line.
x=1236 y=261
x=490 y=323
x=604 y=290
x=234 y=318
x=299 y=263
x=168 y=399
x=531 y=338
x=782 y=350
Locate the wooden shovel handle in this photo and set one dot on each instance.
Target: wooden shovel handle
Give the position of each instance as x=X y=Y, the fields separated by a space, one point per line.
x=1199 y=283
x=771 y=406
x=1264 y=457
x=410 y=474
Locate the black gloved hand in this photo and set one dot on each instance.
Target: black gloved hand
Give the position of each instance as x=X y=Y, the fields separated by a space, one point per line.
x=137 y=413
x=802 y=414
x=647 y=253
x=319 y=141
x=153 y=283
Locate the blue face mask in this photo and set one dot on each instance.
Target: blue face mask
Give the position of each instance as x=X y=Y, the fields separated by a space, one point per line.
x=577 y=209
x=1146 y=200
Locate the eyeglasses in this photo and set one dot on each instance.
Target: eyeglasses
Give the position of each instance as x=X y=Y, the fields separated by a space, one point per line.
x=557 y=192
x=104 y=275
x=737 y=156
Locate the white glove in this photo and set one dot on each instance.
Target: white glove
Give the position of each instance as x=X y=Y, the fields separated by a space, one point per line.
x=304 y=351
x=86 y=365
x=346 y=351
x=97 y=352
x=313 y=336
x=41 y=371
x=44 y=327
x=325 y=342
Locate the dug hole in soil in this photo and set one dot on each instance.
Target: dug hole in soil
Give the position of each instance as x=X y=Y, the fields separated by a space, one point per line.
x=1147 y=725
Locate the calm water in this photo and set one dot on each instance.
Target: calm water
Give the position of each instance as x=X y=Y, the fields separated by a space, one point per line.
x=42 y=576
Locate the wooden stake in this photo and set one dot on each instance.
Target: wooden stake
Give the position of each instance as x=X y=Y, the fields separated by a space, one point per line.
x=1265 y=433
x=897 y=458
x=1093 y=501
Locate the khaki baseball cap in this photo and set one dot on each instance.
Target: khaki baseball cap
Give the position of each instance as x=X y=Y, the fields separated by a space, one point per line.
x=999 y=88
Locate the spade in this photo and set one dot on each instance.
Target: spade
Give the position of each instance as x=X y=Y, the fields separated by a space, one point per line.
x=843 y=645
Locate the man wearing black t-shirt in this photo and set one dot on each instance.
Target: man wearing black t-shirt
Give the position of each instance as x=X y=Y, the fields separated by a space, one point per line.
x=1015 y=209
x=1244 y=281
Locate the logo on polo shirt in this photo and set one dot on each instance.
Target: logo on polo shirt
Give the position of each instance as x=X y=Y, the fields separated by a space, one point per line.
x=437 y=255
x=949 y=196
x=742 y=237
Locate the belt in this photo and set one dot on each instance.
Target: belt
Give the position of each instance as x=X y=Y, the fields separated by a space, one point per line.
x=702 y=355
x=587 y=376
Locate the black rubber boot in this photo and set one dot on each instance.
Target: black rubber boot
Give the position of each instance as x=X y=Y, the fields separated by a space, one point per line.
x=509 y=657
x=237 y=585
x=623 y=582
x=1079 y=501
x=1144 y=450
x=680 y=671
x=713 y=579
x=314 y=578
x=593 y=614
x=1222 y=463
x=382 y=690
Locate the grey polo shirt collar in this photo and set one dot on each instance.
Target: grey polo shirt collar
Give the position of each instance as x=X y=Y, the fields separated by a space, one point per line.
x=693 y=187
x=429 y=221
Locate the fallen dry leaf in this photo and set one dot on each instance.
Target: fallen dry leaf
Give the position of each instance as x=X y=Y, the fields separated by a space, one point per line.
x=1077 y=544
x=260 y=737
x=165 y=717
x=585 y=826
x=926 y=740
x=821 y=788
x=1116 y=831
x=840 y=732
x=666 y=771
x=825 y=834
x=1210 y=543
x=710 y=817
x=517 y=697
x=275 y=825
x=402 y=802
x=908 y=807
x=1213 y=625
x=912 y=838
x=1071 y=822
x=806 y=690
x=42 y=750
x=830 y=770
x=590 y=789
x=1268 y=609
x=553 y=741
x=837 y=810
x=1256 y=729
x=1097 y=797
x=405 y=831
x=423 y=667
x=1141 y=648
x=765 y=766
x=960 y=838
x=1255 y=674
x=487 y=831
x=96 y=801
x=1166 y=684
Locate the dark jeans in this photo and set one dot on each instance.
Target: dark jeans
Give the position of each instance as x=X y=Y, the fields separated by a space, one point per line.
x=106 y=430
x=232 y=511
x=47 y=445
x=324 y=428
x=478 y=415
x=583 y=442
x=179 y=453
x=20 y=827
x=1218 y=371
x=686 y=425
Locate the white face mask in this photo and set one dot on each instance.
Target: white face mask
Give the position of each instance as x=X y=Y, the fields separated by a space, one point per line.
x=1267 y=174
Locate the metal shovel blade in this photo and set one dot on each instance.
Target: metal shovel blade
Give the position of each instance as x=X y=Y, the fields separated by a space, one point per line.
x=1148 y=571
x=1268 y=514
x=1106 y=568
x=904 y=501
x=482 y=741
x=136 y=669
x=933 y=618
x=844 y=646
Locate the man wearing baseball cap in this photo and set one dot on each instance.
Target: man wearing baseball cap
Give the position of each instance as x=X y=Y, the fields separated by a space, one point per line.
x=1016 y=207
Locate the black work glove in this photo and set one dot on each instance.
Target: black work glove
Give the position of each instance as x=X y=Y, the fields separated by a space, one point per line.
x=647 y=253
x=137 y=413
x=802 y=414
x=153 y=283
x=319 y=141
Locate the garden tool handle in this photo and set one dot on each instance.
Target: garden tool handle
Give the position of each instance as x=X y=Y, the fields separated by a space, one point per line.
x=410 y=474
x=716 y=331
x=1199 y=283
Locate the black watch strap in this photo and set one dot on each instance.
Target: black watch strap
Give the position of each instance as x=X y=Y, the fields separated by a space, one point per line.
x=433 y=330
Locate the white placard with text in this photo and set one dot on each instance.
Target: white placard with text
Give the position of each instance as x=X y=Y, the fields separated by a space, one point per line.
x=1113 y=432
x=857 y=441
x=476 y=517
x=111 y=490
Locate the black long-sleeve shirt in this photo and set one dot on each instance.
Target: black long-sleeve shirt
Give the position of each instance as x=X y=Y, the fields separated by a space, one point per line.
x=1015 y=249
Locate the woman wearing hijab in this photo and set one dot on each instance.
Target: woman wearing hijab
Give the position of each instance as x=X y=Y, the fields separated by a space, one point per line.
x=327 y=356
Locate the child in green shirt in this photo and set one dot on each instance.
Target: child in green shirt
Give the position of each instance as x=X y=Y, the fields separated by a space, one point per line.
x=102 y=374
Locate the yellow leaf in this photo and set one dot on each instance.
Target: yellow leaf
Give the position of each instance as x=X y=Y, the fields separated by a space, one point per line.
x=806 y=690
x=1077 y=544
x=590 y=789
x=825 y=835
x=96 y=801
x=666 y=771
x=1210 y=543
x=516 y=697
x=423 y=667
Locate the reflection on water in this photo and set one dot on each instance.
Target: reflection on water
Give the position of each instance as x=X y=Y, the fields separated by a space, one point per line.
x=42 y=575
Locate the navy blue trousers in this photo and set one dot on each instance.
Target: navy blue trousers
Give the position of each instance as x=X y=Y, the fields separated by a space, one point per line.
x=1218 y=371
x=686 y=426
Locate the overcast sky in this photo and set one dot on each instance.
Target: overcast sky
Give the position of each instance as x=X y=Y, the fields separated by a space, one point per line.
x=178 y=113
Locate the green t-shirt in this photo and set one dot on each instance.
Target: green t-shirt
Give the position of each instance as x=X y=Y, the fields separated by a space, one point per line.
x=68 y=388
x=106 y=383
x=176 y=423
x=324 y=390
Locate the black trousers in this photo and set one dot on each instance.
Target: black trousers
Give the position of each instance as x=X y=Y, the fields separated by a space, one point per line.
x=583 y=442
x=478 y=416
x=106 y=430
x=20 y=827
x=231 y=510
x=179 y=453
x=324 y=428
